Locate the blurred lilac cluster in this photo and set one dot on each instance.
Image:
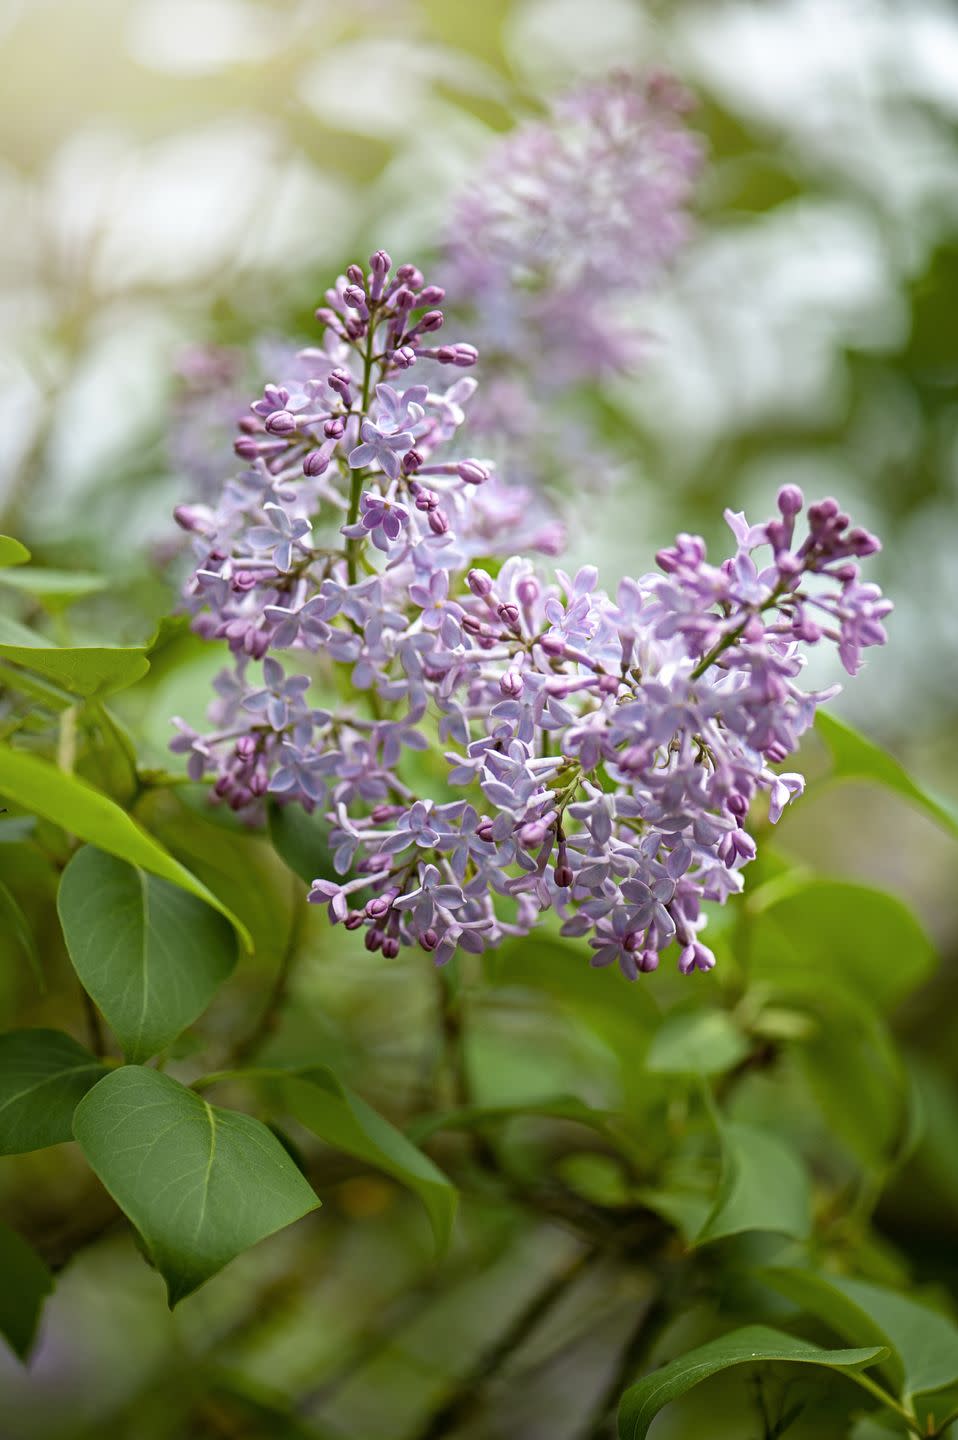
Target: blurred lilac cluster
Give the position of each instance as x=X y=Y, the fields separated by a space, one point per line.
x=570 y=219
x=603 y=752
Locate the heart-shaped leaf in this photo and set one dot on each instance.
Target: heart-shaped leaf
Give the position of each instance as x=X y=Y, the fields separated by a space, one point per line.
x=320 y=1101
x=43 y=1076
x=697 y=1042
x=200 y=1184
x=26 y=1284
x=150 y=955
x=753 y=1345
x=764 y=1186
x=44 y=790
x=855 y=757
x=924 y=1342
x=12 y=552
x=84 y=670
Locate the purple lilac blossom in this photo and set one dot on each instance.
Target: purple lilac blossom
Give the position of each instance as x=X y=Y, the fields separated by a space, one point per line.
x=604 y=751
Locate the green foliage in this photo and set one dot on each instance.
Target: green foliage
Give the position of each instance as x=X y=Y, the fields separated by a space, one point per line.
x=149 y=953
x=855 y=757
x=38 y=786
x=200 y=1184
x=84 y=670
x=754 y=1345
x=763 y=1186
x=26 y=1284
x=320 y=1102
x=696 y=1042
x=12 y=552
x=43 y=1076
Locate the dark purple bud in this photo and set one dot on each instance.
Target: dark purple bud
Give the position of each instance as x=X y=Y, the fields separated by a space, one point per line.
x=403 y=300
x=432 y=320
x=378 y=907
x=409 y=275
x=431 y=295
x=633 y=941
x=380 y=264
x=355 y=274
x=381 y=813
x=411 y=462
x=390 y=947
x=461 y=355
x=429 y=940
x=355 y=297
x=438 y=523
x=563 y=876
x=246 y=747
x=508 y=614
x=484 y=828
x=316 y=463
x=353 y=920
x=648 y=961
x=374 y=938
x=471 y=625
x=334 y=429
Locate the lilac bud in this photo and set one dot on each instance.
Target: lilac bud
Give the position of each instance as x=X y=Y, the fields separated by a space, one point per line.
x=390 y=947
x=461 y=355
x=340 y=381
x=432 y=320
x=528 y=591
x=188 y=517
x=432 y=295
x=316 y=463
x=245 y=747
x=508 y=614
x=404 y=357
x=246 y=448
x=484 y=829
x=429 y=940
x=374 y=938
x=633 y=941
x=438 y=523
x=411 y=462
x=378 y=907
x=480 y=583
x=353 y=920
x=790 y=501
x=472 y=473
x=409 y=275
x=553 y=645
x=335 y=428
x=281 y=422
x=355 y=274
x=648 y=961
x=403 y=300
x=563 y=876
x=511 y=684
x=471 y=625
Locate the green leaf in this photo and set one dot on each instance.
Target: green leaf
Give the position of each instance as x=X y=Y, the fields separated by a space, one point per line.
x=469 y=1117
x=756 y=1343
x=924 y=1342
x=764 y=1186
x=323 y=1104
x=57 y=589
x=696 y=1042
x=12 y=552
x=44 y=790
x=26 y=1284
x=14 y=920
x=200 y=1184
x=43 y=1076
x=857 y=758
x=149 y=954
x=84 y=670
x=812 y=935
x=301 y=840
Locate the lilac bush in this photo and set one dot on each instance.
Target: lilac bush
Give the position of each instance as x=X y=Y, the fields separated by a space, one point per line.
x=603 y=751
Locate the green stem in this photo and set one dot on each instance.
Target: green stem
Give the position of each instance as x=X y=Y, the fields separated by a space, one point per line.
x=249 y=1046
x=887 y=1400
x=358 y=476
x=940 y=1428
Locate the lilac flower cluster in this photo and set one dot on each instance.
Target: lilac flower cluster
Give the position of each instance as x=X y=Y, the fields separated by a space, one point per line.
x=571 y=218
x=603 y=752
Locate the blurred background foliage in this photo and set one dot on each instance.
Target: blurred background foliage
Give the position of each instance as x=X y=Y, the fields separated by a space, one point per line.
x=177 y=172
